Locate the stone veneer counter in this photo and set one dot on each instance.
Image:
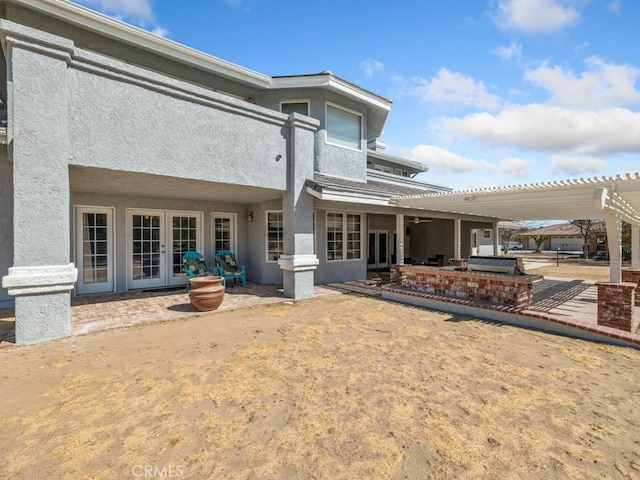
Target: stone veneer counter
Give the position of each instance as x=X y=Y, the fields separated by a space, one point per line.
x=512 y=290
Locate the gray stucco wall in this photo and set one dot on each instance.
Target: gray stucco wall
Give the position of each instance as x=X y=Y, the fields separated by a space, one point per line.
x=89 y=40
x=6 y=222
x=167 y=127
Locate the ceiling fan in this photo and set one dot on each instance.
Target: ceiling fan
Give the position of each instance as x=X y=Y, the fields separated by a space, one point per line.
x=416 y=220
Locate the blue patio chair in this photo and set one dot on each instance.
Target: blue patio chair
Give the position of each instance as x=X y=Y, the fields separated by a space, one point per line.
x=227 y=267
x=193 y=265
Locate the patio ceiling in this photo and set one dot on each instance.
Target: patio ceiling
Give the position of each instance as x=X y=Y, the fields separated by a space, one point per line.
x=560 y=200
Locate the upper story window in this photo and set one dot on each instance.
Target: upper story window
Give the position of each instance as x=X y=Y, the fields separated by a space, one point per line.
x=298 y=106
x=344 y=127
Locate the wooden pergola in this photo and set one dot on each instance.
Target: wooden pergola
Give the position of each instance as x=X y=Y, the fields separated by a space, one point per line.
x=615 y=199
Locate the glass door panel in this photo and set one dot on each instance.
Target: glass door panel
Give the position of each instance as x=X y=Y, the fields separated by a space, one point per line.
x=184 y=235
x=147 y=260
x=94 y=255
x=378 y=249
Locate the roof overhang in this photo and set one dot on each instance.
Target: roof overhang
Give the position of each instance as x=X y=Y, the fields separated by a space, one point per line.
x=560 y=200
x=111 y=27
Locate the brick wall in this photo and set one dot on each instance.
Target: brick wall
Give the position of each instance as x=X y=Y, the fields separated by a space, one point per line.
x=616 y=305
x=512 y=290
x=632 y=276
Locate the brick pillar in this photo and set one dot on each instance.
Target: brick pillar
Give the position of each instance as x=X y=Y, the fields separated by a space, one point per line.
x=632 y=276
x=616 y=303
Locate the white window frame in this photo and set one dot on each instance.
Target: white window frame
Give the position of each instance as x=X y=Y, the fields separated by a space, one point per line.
x=87 y=288
x=345 y=232
x=266 y=234
x=486 y=234
x=305 y=100
x=383 y=168
x=234 y=231
x=326 y=126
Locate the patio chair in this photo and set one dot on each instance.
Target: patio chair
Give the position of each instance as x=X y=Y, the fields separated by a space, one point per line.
x=193 y=265
x=227 y=267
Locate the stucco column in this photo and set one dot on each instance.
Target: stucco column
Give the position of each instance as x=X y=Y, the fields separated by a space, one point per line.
x=399 y=239
x=614 y=242
x=457 y=238
x=42 y=277
x=298 y=260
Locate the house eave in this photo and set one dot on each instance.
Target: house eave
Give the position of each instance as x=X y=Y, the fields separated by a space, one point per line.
x=333 y=83
x=102 y=24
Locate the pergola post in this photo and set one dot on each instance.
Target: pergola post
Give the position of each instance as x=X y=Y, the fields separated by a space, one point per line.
x=399 y=239
x=614 y=242
x=496 y=239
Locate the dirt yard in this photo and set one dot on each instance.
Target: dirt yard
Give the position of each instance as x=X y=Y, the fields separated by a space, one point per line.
x=580 y=269
x=335 y=387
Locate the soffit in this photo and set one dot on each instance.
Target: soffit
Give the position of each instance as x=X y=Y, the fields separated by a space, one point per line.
x=114 y=182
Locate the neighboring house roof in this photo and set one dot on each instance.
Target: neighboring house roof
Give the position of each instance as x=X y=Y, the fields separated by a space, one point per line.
x=563 y=230
x=374 y=191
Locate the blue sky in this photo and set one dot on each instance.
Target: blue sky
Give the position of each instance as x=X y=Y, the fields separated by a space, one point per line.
x=486 y=92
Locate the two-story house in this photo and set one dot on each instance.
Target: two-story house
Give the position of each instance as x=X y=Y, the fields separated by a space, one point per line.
x=125 y=150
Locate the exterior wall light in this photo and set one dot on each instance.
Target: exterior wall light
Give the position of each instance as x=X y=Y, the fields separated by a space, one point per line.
x=250 y=216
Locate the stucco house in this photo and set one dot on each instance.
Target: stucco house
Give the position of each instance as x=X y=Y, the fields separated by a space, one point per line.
x=567 y=237
x=123 y=150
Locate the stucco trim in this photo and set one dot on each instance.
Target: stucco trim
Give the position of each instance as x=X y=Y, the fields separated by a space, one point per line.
x=40 y=279
x=298 y=263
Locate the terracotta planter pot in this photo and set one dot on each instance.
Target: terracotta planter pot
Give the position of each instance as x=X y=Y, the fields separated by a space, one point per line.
x=206 y=293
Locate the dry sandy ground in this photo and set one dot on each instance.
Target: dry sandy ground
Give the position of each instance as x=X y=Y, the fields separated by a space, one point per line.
x=575 y=269
x=338 y=386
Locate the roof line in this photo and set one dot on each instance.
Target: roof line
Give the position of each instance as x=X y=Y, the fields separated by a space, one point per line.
x=112 y=27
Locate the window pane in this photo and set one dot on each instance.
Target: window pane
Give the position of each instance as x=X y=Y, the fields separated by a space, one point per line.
x=343 y=128
x=275 y=245
x=296 y=107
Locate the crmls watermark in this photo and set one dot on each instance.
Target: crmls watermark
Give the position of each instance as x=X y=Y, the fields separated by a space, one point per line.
x=157 y=471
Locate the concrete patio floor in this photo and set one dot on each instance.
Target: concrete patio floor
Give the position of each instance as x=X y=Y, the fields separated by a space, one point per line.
x=570 y=303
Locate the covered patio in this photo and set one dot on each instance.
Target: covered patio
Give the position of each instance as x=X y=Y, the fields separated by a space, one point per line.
x=614 y=199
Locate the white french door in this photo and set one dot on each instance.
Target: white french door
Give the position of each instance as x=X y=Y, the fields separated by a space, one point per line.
x=156 y=242
x=94 y=249
x=378 y=249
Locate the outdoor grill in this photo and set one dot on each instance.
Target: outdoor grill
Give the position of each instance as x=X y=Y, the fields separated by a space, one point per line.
x=505 y=265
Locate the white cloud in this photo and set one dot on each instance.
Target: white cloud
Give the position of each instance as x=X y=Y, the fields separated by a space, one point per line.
x=441 y=160
x=456 y=89
x=371 y=66
x=513 y=167
x=138 y=9
x=550 y=129
x=614 y=6
x=512 y=52
x=603 y=85
x=138 y=12
x=577 y=165
x=535 y=16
